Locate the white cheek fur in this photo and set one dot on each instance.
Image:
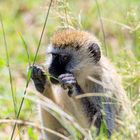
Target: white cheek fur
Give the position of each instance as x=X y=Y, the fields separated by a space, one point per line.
x=49 y=49
x=49 y=60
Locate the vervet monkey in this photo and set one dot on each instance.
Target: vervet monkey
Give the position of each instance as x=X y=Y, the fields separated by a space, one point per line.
x=77 y=62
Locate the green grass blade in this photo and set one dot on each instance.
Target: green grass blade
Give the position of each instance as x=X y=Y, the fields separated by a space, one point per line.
x=26 y=48
x=8 y=66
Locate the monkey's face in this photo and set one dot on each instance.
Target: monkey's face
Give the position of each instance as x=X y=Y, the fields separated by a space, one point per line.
x=69 y=60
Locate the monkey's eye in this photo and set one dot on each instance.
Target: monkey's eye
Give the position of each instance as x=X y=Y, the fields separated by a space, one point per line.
x=65 y=58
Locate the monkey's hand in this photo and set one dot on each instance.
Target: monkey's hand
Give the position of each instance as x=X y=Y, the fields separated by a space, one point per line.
x=39 y=78
x=68 y=81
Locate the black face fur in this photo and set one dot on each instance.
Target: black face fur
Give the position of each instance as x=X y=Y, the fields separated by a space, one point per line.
x=58 y=66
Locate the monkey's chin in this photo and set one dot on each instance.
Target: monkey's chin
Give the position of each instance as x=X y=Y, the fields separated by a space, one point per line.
x=54 y=81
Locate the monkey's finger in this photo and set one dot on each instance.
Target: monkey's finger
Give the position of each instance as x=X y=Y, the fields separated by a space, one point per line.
x=68 y=79
x=70 y=82
x=65 y=75
x=34 y=73
x=67 y=85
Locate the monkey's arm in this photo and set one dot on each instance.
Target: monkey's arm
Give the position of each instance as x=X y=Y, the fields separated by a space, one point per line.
x=44 y=87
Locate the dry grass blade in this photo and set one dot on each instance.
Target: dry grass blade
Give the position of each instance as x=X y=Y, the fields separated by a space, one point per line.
x=99 y=82
x=34 y=125
x=65 y=119
x=57 y=112
x=95 y=80
x=95 y=95
x=118 y=23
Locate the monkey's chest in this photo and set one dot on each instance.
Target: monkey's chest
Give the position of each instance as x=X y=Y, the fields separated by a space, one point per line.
x=70 y=105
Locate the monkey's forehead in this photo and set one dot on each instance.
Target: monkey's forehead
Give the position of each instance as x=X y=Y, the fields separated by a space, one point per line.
x=72 y=38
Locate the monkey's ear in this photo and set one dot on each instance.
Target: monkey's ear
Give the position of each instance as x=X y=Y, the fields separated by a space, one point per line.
x=95 y=52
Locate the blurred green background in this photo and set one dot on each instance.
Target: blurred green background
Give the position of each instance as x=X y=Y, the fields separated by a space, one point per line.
x=121 y=22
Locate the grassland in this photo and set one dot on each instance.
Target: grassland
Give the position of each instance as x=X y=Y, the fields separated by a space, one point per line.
x=25 y=19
